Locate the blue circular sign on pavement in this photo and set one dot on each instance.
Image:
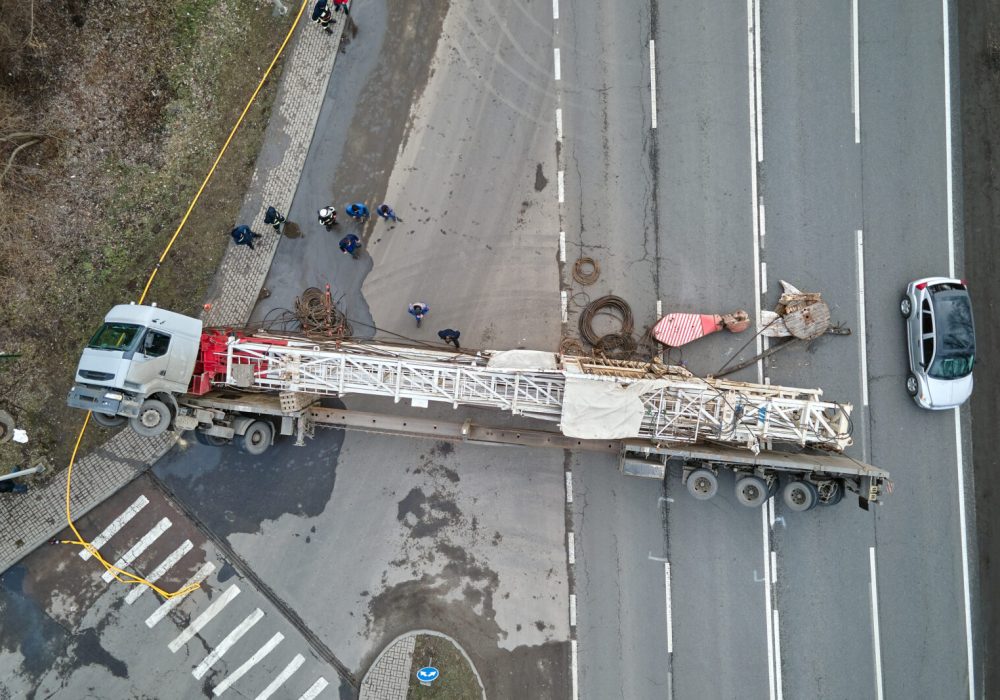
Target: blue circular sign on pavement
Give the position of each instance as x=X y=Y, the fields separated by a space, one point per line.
x=427 y=674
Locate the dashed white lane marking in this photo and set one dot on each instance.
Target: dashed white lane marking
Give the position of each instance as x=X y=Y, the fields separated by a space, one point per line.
x=153 y=577
x=571 y=547
x=572 y=609
x=763 y=223
x=876 y=637
x=168 y=605
x=862 y=340
x=248 y=664
x=558 y=69
x=562 y=246
x=670 y=614
x=561 y=181
x=138 y=548
x=280 y=679
x=204 y=618
x=574 y=665
x=116 y=525
x=569 y=487
x=564 y=304
x=777 y=655
x=659 y=311
x=559 y=131
x=315 y=689
x=555 y=9
x=226 y=644
x=763 y=277
x=855 y=77
x=652 y=79
x=769 y=623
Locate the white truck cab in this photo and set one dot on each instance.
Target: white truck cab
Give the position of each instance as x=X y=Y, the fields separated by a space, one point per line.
x=134 y=365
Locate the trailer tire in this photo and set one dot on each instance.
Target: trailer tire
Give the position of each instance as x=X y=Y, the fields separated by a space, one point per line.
x=752 y=491
x=153 y=418
x=800 y=495
x=257 y=437
x=210 y=440
x=106 y=421
x=702 y=484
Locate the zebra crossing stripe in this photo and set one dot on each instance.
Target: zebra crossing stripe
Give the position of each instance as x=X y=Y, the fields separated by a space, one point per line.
x=249 y=663
x=315 y=689
x=116 y=525
x=227 y=643
x=211 y=611
x=291 y=668
x=153 y=577
x=171 y=603
x=138 y=548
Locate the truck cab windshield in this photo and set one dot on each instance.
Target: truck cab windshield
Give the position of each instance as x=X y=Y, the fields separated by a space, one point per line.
x=116 y=336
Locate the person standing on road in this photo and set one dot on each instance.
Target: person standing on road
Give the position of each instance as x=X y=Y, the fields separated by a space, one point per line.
x=450 y=335
x=351 y=245
x=342 y=6
x=358 y=211
x=274 y=218
x=418 y=310
x=242 y=235
x=386 y=212
x=328 y=216
x=323 y=15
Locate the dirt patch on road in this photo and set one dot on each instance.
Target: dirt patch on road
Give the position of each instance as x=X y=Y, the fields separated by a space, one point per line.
x=111 y=113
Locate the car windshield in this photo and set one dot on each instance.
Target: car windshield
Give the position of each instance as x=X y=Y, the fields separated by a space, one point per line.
x=956 y=338
x=116 y=336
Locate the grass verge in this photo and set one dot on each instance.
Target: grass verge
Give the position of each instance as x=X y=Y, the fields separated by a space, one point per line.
x=457 y=680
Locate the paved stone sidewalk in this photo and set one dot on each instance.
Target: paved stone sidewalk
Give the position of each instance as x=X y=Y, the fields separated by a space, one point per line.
x=32 y=519
x=389 y=676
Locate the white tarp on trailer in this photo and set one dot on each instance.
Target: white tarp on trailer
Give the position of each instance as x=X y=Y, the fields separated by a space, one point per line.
x=523 y=359
x=598 y=410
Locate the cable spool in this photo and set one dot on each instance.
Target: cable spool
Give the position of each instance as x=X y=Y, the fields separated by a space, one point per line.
x=619 y=344
x=586 y=271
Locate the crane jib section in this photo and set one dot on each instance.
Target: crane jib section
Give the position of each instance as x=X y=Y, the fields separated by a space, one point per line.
x=612 y=401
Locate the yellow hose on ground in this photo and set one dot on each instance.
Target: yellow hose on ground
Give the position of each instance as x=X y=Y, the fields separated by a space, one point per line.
x=119 y=574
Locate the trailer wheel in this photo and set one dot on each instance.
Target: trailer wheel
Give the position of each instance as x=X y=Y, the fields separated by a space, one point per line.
x=702 y=484
x=257 y=438
x=153 y=418
x=210 y=440
x=752 y=491
x=107 y=421
x=831 y=493
x=800 y=495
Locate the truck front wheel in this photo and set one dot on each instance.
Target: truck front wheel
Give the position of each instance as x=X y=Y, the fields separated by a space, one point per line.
x=257 y=437
x=153 y=418
x=107 y=421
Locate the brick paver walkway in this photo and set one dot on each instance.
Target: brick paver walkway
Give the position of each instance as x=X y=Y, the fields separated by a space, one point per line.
x=389 y=676
x=32 y=519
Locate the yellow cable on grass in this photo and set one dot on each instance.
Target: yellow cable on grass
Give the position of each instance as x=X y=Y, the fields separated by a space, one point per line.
x=119 y=574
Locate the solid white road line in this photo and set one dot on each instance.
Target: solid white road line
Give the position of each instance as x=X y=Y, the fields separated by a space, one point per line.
x=754 y=199
x=171 y=603
x=652 y=79
x=876 y=637
x=561 y=181
x=572 y=609
x=767 y=600
x=574 y=665
x=965 y=552
x=153 y=577
x=569 y=487
x=855 y=79
x=758 y=91
x=315 y=689
x=199 y=622
x=558 y=69
x=559 y=132
x=948 y=174
x=138 y=548
x=670 y=613
x=249 y=663
x=562 y=246
x=555 y=9
x=777 y=655
x=279 y=681
x=116 y=525
x=862 y=340
x=227 y=643
x=571 y=547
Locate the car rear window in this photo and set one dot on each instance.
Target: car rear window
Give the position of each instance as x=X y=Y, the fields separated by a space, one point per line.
x=956 y=337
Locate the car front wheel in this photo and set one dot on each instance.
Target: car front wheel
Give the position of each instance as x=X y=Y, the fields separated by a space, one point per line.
x=911 y=385
x=905 y=307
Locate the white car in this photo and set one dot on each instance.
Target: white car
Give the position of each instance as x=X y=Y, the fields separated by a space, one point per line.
x=941 y=342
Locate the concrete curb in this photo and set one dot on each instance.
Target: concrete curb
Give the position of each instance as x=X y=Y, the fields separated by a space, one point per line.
x=31 y=520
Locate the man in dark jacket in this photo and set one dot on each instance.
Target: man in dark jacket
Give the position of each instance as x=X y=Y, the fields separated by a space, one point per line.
x=274 y=218
x=242 y=235
x=450 y=335
x=323 y=15
x=351 y=245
